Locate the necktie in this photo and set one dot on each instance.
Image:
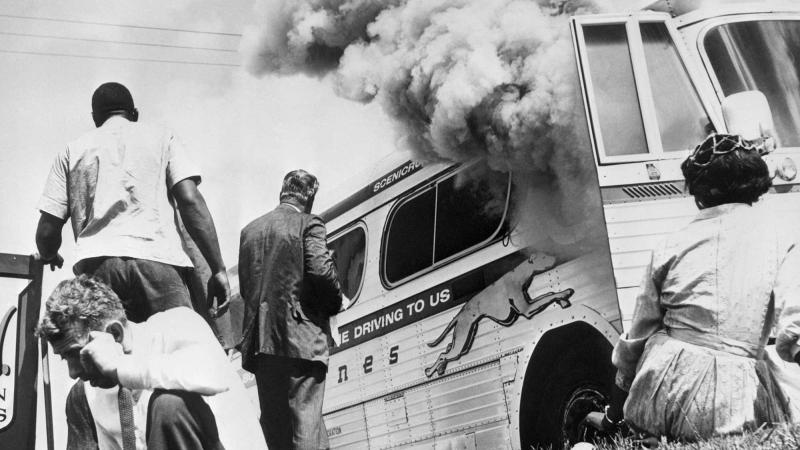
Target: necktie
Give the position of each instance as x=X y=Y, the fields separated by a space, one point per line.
x=127 y=427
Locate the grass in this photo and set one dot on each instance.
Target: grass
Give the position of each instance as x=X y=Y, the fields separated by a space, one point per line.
x=783 y=436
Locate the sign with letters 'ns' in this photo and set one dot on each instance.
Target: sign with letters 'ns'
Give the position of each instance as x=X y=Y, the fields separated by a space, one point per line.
x=8 y=354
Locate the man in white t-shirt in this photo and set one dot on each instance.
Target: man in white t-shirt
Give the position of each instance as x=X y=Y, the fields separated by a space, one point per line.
x=162 y=384
x=120 y=186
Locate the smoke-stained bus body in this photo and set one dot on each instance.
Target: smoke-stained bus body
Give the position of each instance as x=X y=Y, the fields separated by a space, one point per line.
x=457 y=325
x=484 y=312
x=470 y=331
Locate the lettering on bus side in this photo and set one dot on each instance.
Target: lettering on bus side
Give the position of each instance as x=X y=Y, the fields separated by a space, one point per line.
x=3 y=410
x=397 y=315
x=394 y=357
x=395 y=176
x=449 y=294
x=371 y=189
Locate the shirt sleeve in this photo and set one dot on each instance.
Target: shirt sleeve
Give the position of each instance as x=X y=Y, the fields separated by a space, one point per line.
x=647 y=320
x=179 y=165
x=55 y=199
x=183 y=355
x=320 y=268
x=787 y=304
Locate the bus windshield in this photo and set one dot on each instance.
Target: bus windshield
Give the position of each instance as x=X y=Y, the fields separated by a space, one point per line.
x=764 y=56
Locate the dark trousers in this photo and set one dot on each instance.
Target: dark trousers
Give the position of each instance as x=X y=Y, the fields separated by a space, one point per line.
x=176 y=420
x=145 y=287
x=179 y=420
x=290 y=393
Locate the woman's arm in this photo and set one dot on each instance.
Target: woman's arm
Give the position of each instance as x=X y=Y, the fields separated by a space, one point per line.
x=787 y=305
x=647 y=320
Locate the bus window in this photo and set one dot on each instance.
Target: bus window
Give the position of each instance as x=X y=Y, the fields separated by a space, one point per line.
x=409 y=238
x=456 y=215
x=680 y=115
x=616 y=99
x=349 y=250
x=641 y=99
x=475 y=202
x=761 y=55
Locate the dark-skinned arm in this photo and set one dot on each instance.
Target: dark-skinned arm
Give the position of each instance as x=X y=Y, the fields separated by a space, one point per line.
x=198 y=222
x=609 y=420
x=48 y=240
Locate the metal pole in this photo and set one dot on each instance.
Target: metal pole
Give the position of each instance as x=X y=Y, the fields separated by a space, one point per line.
x=48 y=402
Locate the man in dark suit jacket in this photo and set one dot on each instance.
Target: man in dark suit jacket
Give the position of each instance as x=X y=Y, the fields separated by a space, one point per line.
x=290 y=288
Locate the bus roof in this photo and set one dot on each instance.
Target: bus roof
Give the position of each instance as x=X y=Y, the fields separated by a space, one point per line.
x=681 y=7
x=376 y=186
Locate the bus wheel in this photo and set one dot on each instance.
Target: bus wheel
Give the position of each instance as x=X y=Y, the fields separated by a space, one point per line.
x=564 y=400
x=568 y=376
x=582 y=401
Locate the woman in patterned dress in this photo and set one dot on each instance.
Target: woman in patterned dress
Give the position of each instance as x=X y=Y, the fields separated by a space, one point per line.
x=692 y=364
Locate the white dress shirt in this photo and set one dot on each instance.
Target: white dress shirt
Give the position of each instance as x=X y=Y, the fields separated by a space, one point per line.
x=176 y=349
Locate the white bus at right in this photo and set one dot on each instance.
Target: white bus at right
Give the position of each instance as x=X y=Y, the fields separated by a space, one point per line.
x=472 y=346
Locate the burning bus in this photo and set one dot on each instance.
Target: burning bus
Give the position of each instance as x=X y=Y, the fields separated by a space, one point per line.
x=491 y=275
x=487 y=299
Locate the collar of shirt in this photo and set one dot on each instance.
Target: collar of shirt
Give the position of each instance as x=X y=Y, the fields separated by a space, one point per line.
x=114 y=121
x=134 y=330
x=719 y=210
x=293 y=206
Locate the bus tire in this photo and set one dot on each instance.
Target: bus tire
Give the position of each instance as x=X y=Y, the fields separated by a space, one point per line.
x=575 y=394
x=578 y=382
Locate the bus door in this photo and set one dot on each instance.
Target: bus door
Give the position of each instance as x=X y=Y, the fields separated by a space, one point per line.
x=648 y=104
x=20 y=301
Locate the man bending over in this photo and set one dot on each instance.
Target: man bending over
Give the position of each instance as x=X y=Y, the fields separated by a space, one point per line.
x=161 y=384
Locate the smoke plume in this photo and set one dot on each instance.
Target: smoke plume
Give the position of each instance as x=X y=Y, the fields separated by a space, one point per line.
x=463 y=79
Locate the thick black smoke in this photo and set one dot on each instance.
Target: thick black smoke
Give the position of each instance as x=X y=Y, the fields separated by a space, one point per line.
x=463 y=80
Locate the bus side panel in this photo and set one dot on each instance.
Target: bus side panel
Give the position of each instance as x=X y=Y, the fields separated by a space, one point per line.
x=403 y=406
x=463 y=408
x=347 y=428
x=635 y=228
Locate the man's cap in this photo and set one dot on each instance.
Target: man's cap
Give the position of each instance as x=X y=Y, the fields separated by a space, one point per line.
x=111 y=97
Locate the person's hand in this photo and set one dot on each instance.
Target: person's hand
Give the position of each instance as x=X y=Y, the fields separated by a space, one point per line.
x=595 y=420
x=219 y=294
x=54 y=261
x=101 y=356
x=602 y=423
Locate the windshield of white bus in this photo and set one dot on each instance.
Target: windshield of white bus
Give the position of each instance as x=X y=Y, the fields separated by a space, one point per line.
x=764 y=56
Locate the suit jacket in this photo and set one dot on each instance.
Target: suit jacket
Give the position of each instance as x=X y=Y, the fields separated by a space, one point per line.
x=289 y=286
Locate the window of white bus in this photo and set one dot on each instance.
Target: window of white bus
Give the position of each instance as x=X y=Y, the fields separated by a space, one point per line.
x=349 y=253
x=643 y=103
x=760 y=55
x=441 y=222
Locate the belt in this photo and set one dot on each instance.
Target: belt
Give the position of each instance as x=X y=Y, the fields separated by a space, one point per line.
x=716 y=342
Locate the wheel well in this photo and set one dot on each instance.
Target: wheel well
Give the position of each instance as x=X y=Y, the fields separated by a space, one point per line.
x=576 y=344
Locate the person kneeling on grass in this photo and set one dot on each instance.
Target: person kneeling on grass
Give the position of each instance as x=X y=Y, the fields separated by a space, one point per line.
x=162 y=384
x=692 y=364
